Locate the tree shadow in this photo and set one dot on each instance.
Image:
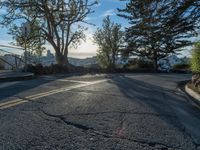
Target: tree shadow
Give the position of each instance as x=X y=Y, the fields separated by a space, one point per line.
x=163 y=101
x=13 y=88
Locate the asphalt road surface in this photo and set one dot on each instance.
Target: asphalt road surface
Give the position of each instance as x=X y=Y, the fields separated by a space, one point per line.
x=98 y=112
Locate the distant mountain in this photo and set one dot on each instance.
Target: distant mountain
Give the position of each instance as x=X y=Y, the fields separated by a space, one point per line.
x=87 y=62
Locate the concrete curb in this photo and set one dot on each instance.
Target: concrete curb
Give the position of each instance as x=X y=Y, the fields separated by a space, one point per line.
x=193 y=94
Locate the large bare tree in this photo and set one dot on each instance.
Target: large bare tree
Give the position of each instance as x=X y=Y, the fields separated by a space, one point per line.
x=60 y=21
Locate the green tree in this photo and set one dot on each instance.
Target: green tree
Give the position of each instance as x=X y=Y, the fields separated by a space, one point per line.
x=159 y=28
x=195 y=61
x=59 y=21
x=109 y=39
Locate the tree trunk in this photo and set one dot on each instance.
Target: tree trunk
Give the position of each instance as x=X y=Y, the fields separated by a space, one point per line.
x=113 y=61
x=109 y=68
x=155 y=64
x=61 y=59
x=155 y=60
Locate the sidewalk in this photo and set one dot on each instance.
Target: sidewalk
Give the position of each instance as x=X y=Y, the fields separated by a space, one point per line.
x=9 y=75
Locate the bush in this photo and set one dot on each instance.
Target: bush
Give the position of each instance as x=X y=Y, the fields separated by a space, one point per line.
x=55 y=68
x=195 y=66
x=38 y=69
x=195 y=61
x=139 y=64
x=181 y=68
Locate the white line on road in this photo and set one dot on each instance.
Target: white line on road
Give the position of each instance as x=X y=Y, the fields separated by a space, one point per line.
x=19 y=101
x=66 y=80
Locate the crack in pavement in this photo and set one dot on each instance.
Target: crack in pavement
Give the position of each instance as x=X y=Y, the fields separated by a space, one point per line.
x=120 y=112
x=80 y=126
x=85 y=128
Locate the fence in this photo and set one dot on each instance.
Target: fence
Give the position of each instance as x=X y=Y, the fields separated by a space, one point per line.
x=13 y=58
x=9 y=59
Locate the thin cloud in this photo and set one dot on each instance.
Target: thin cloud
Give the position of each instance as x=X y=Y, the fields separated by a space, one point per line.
x=110 y=12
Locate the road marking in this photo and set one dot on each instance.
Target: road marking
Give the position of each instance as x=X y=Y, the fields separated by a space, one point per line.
x=13 y=104
x=67 y=80
x=73 y=81
x=19 y=101
x=10 y=102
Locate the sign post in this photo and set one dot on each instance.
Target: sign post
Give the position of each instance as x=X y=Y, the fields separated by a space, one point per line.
x=26 y=29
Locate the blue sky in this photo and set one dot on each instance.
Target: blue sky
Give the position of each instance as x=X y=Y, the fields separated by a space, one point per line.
x=104 y=8
x=88 y=48
x=107 y=7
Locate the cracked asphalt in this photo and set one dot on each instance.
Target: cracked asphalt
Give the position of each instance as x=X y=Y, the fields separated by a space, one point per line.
x=98 y=112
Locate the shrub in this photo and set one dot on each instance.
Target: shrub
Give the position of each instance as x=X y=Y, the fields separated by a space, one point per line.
x=45 y=70
x=37 y=69
x=195 y=66
x=195 y=61
x=139 y=64
x=181 y=67
x=58 y=68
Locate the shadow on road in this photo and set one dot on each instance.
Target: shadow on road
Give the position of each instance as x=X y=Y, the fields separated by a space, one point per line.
x=12 y=89
x=165 y=102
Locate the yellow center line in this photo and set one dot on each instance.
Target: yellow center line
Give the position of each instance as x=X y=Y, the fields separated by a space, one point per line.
x=13 y=104
x=67 y=80
x=10 y=102
x=19 y=101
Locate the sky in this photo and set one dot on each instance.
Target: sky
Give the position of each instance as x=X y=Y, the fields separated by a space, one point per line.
x=103 y=9
x=87 y=48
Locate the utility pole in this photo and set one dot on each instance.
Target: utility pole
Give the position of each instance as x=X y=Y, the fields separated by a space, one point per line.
x=26 y=31
x=25 y=49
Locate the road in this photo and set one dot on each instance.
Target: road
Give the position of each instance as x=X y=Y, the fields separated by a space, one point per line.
x=98 y=112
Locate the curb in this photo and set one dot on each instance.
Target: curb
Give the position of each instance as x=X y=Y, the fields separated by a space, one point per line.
x=17 y=78
x=193 y=94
